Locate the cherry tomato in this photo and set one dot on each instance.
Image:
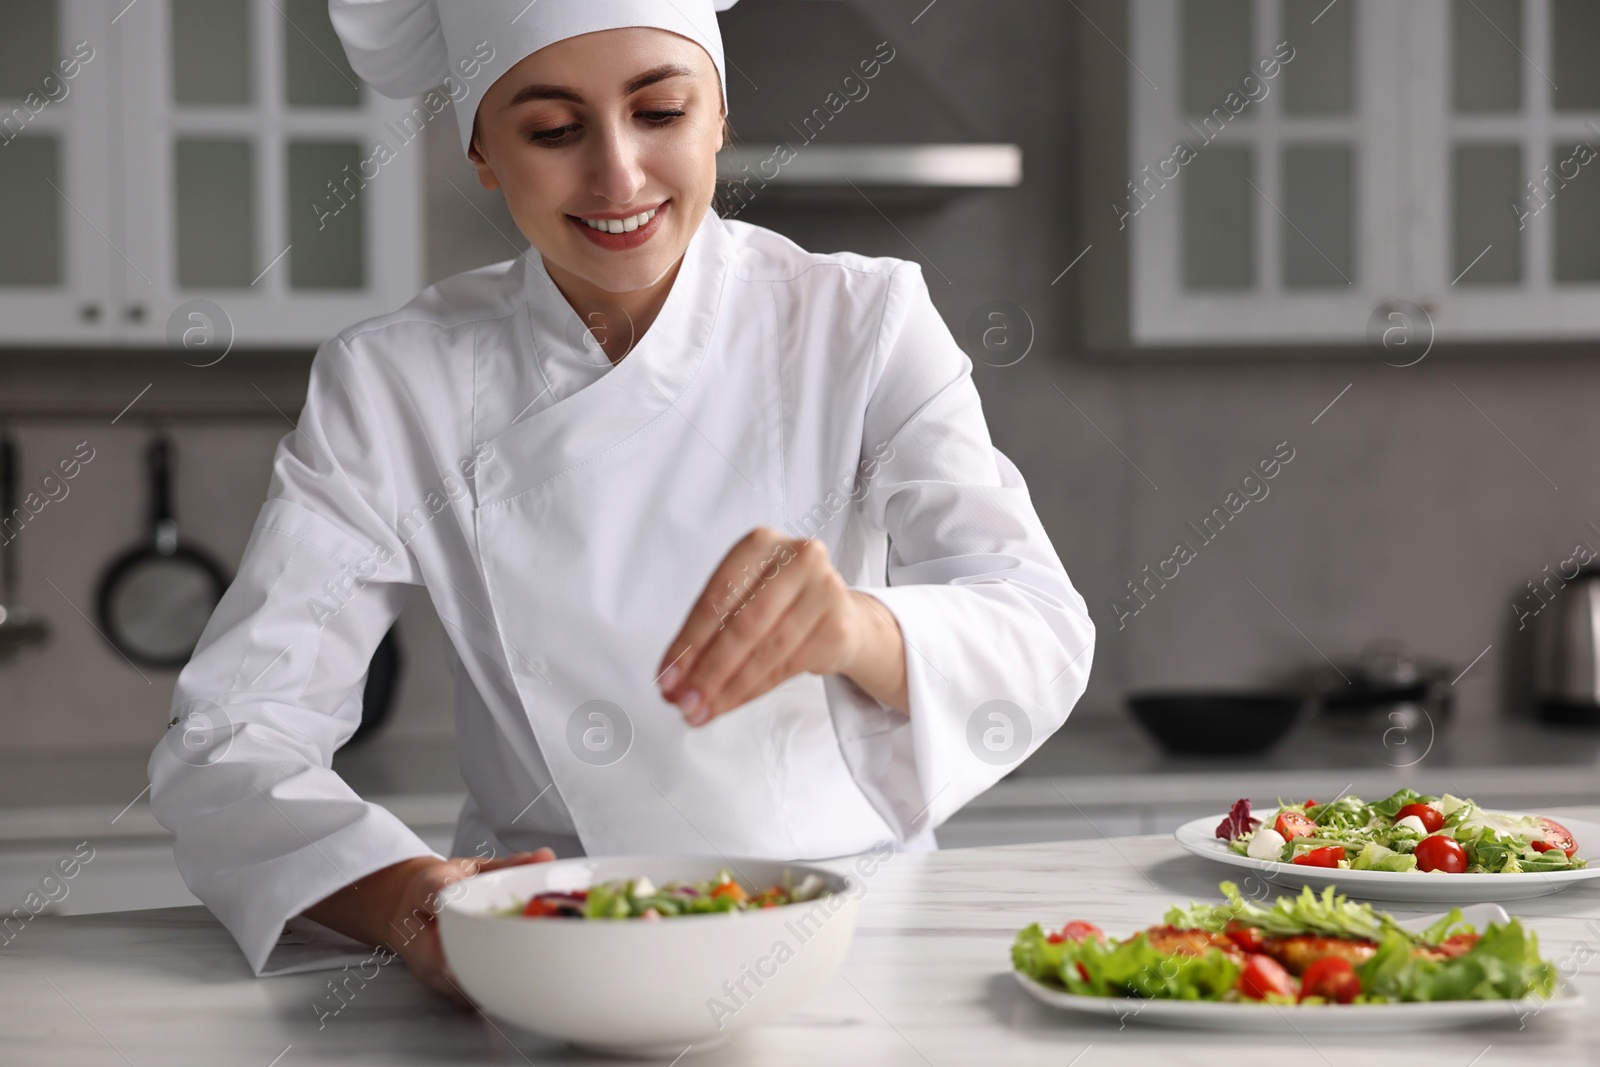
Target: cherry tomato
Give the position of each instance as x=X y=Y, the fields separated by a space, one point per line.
x=1248 y=938
x=1291 y=824
x=1440 y=853
x=1076 y=931
x=1309 y=804
x=1328 y=856
x=1331 y=978
x=1263 y=976
x=1432 y=818
x=1556 y=836
x=539 y=909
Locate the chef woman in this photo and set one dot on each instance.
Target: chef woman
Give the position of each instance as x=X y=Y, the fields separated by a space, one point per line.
x=726 y=560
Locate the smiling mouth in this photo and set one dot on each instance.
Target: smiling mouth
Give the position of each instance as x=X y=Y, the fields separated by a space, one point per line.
x=623 y=234
x=623 y=225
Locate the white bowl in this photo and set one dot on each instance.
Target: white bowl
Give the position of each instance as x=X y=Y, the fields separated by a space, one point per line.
x=641 y=987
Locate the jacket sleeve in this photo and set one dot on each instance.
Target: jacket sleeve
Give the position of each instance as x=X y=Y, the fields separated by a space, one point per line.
x=998 y=642
x=243 y=776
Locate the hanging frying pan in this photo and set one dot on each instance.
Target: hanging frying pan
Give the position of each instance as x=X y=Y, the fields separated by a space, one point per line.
x=156 y=597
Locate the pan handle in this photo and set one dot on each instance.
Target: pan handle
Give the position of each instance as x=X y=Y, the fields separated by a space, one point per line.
x=164 y=528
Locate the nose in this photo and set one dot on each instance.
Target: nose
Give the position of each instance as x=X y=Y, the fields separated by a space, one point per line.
x=617 y=174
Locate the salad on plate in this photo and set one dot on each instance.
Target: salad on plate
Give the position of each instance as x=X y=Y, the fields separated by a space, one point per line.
x=1408 y=831
x=640 y=898
x=1306 y=950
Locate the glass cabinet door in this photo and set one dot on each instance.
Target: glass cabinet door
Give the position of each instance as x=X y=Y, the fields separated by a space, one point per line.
x=1262 y=204
x=58 y=234
x=1440 y=153
x=264 y=169
x=1516 y=239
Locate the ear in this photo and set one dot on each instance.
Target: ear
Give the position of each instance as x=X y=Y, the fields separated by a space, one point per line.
x=486 y=175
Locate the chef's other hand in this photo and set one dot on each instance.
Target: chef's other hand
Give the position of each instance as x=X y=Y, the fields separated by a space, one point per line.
x=776 y=607
x=396 y=908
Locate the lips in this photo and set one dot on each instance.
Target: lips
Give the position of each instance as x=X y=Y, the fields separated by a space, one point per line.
x=621 y=242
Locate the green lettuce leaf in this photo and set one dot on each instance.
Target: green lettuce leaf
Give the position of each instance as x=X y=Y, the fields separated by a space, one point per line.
x=1376 y=857
x=1308 y=913
x=1390 y=806
x=1504 y=965
x=1131 y=968
x=1346 y=813
x=1035 y=957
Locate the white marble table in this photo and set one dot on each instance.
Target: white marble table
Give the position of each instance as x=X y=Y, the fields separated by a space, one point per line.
x=928 y=983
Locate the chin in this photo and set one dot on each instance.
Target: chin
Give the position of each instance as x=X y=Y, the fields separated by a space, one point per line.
x=625 y=272
x=627 y=279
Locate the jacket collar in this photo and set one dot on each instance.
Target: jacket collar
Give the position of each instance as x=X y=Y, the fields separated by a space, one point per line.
x=560 y=431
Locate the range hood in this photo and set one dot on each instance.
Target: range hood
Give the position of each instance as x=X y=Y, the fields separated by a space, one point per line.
x=826 y=111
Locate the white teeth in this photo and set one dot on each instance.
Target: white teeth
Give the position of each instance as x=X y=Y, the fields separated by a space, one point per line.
x=627 y=225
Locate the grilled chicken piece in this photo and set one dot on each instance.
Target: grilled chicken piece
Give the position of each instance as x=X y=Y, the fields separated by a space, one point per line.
x=1450 y=948
x=1180 y=942
x=1301 y=951
x=1295 y=953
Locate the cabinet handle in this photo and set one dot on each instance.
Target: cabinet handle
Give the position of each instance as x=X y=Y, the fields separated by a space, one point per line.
x=89 y=312
x=135 y=312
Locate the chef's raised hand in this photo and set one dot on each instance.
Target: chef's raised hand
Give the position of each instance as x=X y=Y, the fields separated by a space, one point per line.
x=776 y=607
x=395 y=908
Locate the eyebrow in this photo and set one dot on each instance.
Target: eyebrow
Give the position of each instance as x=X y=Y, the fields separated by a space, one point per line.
x=561 y=92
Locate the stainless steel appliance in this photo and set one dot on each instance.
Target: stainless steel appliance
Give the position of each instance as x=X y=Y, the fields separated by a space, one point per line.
x=1566 y=666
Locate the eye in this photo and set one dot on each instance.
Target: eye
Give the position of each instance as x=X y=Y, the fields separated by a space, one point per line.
x=657 y=119
x=559 y=135
x=555 y=135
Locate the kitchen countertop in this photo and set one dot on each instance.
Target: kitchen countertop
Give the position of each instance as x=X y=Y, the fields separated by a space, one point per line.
x=1098 y=774
x=927 y=983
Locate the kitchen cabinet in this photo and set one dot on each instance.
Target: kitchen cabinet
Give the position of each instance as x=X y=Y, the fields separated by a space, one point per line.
x=55 y=260
x=221 y=178
x=1307 y=171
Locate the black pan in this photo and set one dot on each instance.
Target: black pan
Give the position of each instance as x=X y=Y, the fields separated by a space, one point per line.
x=1217 y=722
x=156 y=597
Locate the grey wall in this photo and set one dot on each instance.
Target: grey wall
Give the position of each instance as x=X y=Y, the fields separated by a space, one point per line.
x=1404 y=512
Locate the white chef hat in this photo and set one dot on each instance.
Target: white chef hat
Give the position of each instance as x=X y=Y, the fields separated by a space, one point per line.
x=403 y=48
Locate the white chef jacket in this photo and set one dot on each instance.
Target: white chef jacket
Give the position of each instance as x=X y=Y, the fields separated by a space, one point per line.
x=564 y=515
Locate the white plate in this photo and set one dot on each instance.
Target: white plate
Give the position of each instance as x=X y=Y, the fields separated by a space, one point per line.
x=1309 y=1019
x=1320 y=1018
x=1200 y=837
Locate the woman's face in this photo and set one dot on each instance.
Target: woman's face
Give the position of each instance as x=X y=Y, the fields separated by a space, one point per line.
x=605 y=126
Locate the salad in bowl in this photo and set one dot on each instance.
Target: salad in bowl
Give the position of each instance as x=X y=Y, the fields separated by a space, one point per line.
x=641 y=898
x=645 y=955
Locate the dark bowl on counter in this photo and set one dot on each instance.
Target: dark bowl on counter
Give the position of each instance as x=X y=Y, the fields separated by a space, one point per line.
x=1217 y=723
